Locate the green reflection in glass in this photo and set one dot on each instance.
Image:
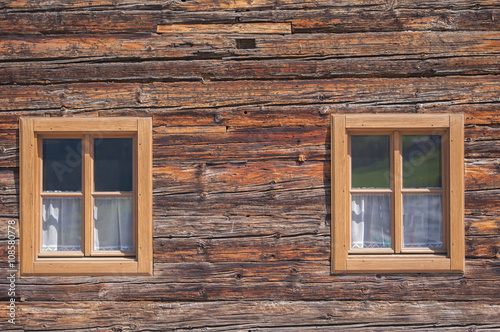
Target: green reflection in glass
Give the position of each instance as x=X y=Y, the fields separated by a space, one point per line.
x=370 y=161
x=421 y=161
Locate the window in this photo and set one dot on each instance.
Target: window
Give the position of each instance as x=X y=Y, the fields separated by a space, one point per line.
x=86 y=196
x=397 y=193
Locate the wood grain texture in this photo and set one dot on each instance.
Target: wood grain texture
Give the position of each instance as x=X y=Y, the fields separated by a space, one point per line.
x=265 y=315
x=421 y=45
x=242 y=153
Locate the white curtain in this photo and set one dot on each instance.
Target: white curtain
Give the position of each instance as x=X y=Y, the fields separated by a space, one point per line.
x=371 y=221
x=61 y=223
x=113 y=223
x=422 y=220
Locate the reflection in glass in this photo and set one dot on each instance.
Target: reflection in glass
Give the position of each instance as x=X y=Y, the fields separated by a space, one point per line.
x=370 y=161
x=422 y=220
x=61 y=223
x=421 y=161
x=113 y=223
x=370 y=221
x=62 y=164
x=113 y=164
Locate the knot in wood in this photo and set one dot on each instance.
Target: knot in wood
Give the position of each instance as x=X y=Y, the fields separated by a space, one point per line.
x=218 y=118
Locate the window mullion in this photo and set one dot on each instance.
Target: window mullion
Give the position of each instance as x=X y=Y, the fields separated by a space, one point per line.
x=87 y=194
x=397 y=172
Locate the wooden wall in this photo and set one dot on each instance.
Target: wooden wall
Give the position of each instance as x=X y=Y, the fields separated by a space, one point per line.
x=242 y=154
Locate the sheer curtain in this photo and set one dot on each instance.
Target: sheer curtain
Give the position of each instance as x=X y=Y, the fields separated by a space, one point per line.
x=113 y=223
x=422 y=220
x=61 y=223
x=371 y=221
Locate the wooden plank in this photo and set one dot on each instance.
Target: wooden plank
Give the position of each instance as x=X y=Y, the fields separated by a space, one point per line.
x=371 y=264
x=340 y=19
x=309 y=272
x=423 y=45
x=293 y=288
x=144 y=196
x=27 y=184
x=251 y=315
x=229 y=5
x=122 y=124
x=269 y=248
x=100 y=70
x=190 y=130
x=95 y=96
x=482 y=174
x=456 y=192
x=340 y=238
x=243 y=28
x=397 y=121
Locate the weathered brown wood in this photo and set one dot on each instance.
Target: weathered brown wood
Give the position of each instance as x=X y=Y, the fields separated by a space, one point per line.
x=418 y=45
x=240 y=28
x=290 y=281
x=4 y=227
x=241 y=138
x=94 y=96
x=217 y=5
x=336 y=314
x=67 y=72
x=482 y=174
x=316 y=272
x=340 y=19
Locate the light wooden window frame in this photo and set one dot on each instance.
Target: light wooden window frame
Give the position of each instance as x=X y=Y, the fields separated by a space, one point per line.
x=345 y=260
x=32 y=261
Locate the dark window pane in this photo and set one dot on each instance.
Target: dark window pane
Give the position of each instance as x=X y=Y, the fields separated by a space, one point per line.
x=370 y=161
x=113 y=164
x=62 y=164
x=422 y=161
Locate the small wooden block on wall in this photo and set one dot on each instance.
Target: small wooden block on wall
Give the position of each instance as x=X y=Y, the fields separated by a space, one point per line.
x=241 y=28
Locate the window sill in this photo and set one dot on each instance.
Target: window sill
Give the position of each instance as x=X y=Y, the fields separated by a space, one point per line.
x=86 y=266
x=398 y=264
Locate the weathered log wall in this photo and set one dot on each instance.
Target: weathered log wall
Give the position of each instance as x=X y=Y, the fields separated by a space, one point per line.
x=242 y=154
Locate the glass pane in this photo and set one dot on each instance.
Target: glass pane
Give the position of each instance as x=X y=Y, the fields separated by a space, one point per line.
x=370 y=161
x=422 y=220
x=113 y=164
x=61 y=223
x=62 y=164
x=113 y=223
x=371 y=221
x=421 y=161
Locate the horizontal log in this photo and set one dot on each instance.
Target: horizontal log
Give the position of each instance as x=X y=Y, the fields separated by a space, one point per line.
x=217 y=5
x=69 y=72
x=315 y=272
x=419 y=45
x=5 y=230
x=482 y=174
x=309 y=115
x=237 y=287
x=411 y=290
x=337 y=19
x=9 y=181
x=251 y=315
x=94 y=96
x=10 y=206
x=487 y=247
x=479 y=225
